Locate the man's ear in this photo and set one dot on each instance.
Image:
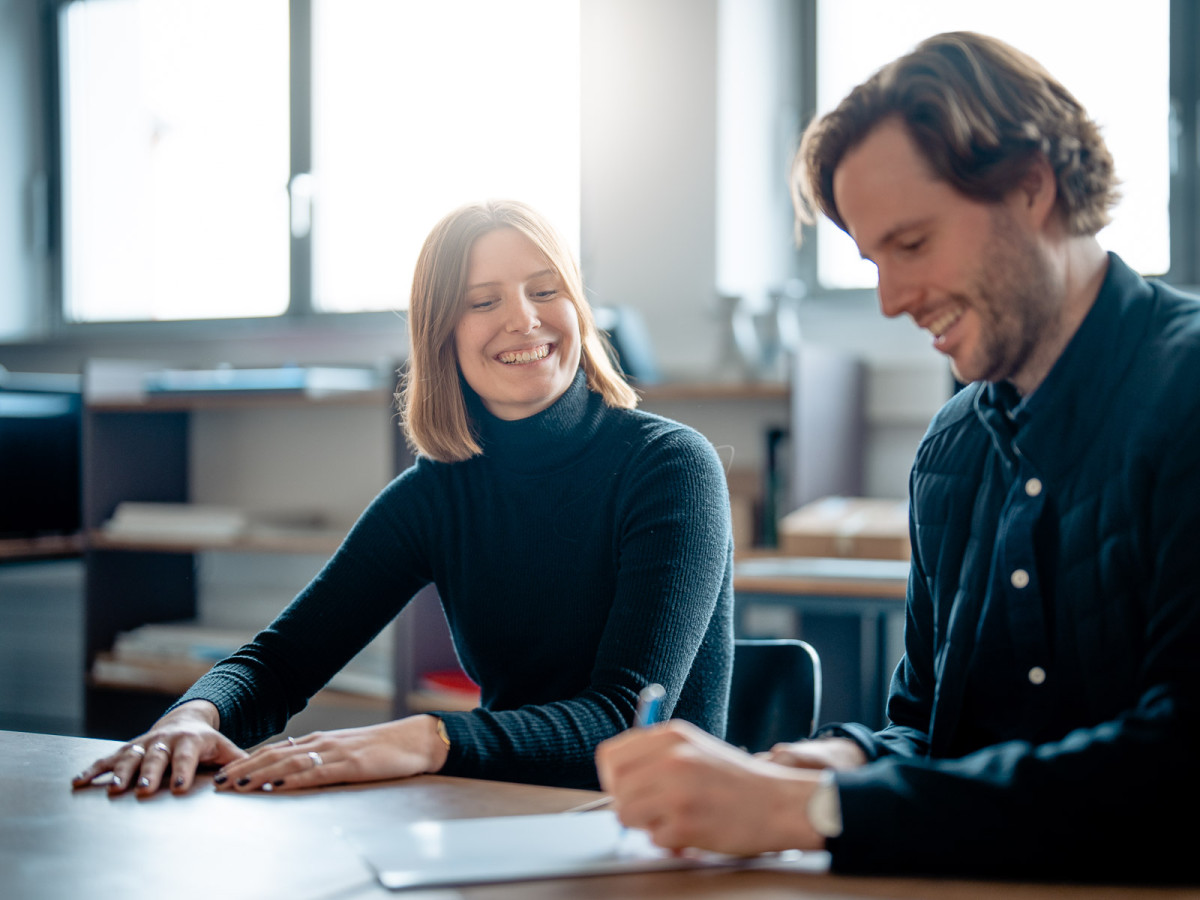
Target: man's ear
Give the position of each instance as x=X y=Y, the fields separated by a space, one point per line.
x=1036 y=194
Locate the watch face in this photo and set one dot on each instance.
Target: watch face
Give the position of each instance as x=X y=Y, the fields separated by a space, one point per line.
x=825 y=809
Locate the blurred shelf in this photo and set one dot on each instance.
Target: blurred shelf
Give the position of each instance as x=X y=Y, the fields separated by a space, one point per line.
x=318 y=542
x=174 y=676
x=45 y=547
x=247 y=400
x=735 y=390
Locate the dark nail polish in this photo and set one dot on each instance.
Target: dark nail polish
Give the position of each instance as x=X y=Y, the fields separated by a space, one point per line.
x=178 y=781
x=242 y=782
x=219 y=779
x=279 y=783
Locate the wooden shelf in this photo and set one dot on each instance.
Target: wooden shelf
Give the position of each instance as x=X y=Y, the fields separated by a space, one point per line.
x=734 y=390
x=247 y=400
x=318 y=542
x=45 y=547
x=174 y=676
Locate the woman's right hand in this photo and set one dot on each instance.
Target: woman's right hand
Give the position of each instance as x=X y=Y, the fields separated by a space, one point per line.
x=180 y=741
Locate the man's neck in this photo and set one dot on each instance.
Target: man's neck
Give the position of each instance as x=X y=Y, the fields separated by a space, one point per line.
x=1082 y=264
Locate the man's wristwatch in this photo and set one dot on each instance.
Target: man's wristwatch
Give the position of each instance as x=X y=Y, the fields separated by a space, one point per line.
x=825 y=807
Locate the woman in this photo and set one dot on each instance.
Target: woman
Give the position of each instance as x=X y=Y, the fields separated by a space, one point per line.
x=582 y=550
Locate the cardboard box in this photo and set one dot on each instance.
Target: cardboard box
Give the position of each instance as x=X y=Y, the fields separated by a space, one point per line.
x=847 y=527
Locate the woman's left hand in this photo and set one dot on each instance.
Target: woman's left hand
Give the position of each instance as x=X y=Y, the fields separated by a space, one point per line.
x=409 y=746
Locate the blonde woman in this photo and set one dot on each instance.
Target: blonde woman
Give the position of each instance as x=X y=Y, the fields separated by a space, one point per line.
x=581 y=549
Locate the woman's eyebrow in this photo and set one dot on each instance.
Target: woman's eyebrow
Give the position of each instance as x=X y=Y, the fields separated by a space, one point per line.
x=487 y=284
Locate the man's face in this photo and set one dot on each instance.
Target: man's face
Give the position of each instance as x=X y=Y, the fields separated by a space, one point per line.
x=973 y=274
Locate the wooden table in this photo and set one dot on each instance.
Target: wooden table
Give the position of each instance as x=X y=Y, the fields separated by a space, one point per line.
x=56 y=842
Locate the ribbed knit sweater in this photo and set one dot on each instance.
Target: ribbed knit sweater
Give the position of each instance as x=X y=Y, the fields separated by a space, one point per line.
x=586 y=553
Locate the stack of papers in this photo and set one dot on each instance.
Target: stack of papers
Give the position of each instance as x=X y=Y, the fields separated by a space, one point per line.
x=520 y=848
x=183 y=522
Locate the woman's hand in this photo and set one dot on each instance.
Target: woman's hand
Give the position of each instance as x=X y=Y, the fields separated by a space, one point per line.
x=181 y=740
x=409 y=746
x=822 y=753
x=688 y=789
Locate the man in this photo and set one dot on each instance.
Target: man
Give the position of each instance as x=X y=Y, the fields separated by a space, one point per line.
x=1044 y=718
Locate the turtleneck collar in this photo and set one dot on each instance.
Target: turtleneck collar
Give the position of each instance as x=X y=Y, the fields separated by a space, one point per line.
x=544 y=441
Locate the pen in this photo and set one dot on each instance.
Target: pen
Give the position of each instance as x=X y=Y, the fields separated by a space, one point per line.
x=649 y=706
x=649 y=703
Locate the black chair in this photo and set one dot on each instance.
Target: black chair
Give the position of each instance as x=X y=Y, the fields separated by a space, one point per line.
x=775 y=694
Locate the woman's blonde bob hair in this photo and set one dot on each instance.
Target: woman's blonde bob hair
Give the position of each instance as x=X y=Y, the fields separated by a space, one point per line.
x=431 y=401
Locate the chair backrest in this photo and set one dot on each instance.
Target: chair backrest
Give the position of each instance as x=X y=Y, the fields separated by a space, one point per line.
x=775 y=694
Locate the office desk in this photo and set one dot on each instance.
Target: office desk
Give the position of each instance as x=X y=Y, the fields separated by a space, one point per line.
x=850 y=610
x=60 y=843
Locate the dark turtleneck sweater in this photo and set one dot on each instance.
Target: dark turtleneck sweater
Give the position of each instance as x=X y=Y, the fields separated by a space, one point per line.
x=586 y=553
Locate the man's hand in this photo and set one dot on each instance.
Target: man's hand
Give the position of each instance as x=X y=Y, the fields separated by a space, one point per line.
x=688 y=789
x=822 y=753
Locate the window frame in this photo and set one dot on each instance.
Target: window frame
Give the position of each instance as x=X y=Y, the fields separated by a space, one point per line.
x=1184 y=214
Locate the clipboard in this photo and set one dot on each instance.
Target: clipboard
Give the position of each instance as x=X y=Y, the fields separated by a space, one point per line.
x=458 y=852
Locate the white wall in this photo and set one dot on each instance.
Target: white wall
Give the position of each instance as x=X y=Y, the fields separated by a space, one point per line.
x=21 y=173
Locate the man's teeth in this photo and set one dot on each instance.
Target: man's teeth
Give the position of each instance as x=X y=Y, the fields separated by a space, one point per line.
x=525 y=356
x=939 y=325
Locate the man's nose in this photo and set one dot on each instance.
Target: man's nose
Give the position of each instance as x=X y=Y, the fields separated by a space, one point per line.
x=896 y=296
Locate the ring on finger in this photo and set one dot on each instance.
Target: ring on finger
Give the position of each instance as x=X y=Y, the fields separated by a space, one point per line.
x=137 y=750
x=292 y=741
x=316 y=758
x=161 y=748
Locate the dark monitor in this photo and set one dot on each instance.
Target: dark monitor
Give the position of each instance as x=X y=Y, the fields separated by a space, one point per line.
x=40 y=424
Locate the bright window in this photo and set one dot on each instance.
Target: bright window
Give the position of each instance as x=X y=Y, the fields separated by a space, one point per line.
x=179 y=152
x=1084 y=47
x=175 y=163
x=422 y=106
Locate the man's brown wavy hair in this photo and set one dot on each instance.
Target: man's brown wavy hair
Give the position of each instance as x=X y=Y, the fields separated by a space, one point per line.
x=980 y=111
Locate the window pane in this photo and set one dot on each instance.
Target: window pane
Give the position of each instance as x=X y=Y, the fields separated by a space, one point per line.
x=1081 y=45
x=175 y=159
x=421 y=106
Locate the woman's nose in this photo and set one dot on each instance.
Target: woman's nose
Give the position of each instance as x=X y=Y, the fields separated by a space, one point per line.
x=523 y=317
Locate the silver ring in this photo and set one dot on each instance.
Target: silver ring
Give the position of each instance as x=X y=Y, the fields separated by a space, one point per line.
x=137 y=750
x=292 y=741
x=316 y=758
x=161 y=748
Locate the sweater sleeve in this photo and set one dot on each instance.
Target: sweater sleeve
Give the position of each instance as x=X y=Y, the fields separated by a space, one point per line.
x=670 y=622
x=373 y=574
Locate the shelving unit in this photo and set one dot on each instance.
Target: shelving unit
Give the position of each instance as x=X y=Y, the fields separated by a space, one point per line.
x=141 y=449
x=161 y=449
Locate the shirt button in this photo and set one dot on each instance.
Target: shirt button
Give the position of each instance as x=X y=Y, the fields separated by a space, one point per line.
x=1019 y=578
x=1037 y=675
x=1033 y=487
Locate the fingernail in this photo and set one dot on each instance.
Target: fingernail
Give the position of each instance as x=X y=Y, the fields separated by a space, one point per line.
x=242 y=782
x=143 y=781
x=116 y=782
x=178 y=781
x=219 y=779
x=268 y=787
x=279 y=783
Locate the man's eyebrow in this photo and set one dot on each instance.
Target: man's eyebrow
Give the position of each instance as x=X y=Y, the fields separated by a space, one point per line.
x=488 y=284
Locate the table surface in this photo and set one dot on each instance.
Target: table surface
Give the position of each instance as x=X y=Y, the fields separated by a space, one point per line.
x=58 y=842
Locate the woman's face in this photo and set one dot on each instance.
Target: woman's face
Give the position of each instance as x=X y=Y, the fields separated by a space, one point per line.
x=517 y=337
